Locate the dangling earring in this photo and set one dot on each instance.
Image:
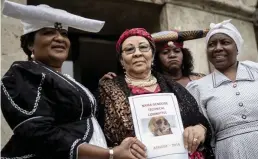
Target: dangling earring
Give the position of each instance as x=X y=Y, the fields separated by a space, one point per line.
x=121 y=63
x=32 y=55
x=152 y=62
x=124 y=69
x=152 y=65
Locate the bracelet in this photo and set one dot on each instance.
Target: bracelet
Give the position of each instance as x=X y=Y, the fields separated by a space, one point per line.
x=111 y=153
x=203 y=127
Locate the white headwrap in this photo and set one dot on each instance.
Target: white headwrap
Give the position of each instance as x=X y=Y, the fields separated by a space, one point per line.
x=227 y=28
x=41 y=16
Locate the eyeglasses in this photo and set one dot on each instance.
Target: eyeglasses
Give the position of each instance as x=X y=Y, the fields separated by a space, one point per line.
x=131 y=49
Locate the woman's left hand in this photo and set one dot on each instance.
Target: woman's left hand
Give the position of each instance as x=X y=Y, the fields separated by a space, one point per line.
x=193 y=136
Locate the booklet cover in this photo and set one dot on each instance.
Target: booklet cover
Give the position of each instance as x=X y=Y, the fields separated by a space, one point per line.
x=158 y=124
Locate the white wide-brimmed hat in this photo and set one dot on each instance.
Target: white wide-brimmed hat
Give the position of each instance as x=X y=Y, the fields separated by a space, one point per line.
x=41 y=16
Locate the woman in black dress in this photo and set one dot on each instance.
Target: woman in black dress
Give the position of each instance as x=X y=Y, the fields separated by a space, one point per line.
x=52 y=115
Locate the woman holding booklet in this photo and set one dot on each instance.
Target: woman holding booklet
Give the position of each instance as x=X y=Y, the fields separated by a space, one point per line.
x=172 y=58
x=52 y=116
x=135 y=52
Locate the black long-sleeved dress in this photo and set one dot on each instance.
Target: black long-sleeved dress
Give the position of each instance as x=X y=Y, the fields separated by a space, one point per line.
x=49 y=113
x=118 y=122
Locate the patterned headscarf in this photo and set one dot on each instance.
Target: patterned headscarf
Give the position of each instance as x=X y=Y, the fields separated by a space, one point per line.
x=227 y=28
x=134 y=32
x=163 y=39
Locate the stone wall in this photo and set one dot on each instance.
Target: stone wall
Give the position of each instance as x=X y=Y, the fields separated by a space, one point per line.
x=11 y=30
x=198 y=14
x=241 y=9
x=183 y=18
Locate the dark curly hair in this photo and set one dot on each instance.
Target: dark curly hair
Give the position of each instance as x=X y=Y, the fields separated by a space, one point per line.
x=26 y=41
x=187 y=63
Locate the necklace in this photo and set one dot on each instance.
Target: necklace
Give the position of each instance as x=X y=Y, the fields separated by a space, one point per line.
x=150 y=81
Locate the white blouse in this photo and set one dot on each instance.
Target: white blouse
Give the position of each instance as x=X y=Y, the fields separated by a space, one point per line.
x=98 y=138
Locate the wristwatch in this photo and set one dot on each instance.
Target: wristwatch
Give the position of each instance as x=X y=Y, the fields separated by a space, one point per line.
x=111 y=154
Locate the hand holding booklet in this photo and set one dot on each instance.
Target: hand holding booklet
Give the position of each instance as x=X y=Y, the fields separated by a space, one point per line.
x=158 y=125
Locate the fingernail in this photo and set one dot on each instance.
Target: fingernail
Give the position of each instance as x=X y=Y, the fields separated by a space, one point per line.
x=145 y=148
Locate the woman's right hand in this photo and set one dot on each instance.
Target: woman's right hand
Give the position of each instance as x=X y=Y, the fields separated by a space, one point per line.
x=130 y=148
x=109 y=75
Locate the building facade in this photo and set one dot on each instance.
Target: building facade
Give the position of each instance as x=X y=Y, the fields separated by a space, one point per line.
x=94 y=54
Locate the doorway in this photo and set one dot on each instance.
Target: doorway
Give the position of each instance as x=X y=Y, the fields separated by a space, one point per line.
x=93 y=55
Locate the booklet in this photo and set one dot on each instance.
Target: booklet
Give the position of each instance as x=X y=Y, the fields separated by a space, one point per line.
x=158 y=125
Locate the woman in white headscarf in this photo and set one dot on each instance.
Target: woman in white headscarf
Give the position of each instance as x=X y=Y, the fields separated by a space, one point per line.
x=228 y=96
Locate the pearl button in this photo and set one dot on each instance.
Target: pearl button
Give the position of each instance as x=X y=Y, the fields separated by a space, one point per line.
x=234 y=85
x=237 y=93
x=244 y=116
x=240 y=104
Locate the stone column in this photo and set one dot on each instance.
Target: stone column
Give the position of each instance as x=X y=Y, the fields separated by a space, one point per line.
x=11 y=30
